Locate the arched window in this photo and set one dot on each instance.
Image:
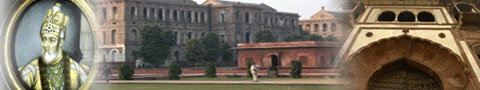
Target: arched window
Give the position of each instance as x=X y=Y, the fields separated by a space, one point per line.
x=315 y=27
x=386 y=16
x=114 y=56
x=465 y=8
x=176 y=54
x=307 y=27
x=133 y=12
x=247 y=17
x=333 y=27
x=247 y=37
x=203 y=34
x=406 y=17
x=114 y=32
x=104 y=13
x=425 y=17
x=324 y=27
x=114 y=12
x=134 y=36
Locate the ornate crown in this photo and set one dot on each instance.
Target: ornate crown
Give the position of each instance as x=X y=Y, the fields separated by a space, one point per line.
x=55 y=22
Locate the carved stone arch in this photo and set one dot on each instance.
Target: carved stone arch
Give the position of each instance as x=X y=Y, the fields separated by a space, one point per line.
x=361 y=65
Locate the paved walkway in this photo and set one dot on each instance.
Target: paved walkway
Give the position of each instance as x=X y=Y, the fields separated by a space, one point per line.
x=223 y=82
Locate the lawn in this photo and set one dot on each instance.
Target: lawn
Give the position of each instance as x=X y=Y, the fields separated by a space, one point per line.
x=210 y=87
x=261 y=79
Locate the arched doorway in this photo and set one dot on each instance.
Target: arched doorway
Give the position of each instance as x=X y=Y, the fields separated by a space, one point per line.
x=428 y=58
x=401 y=75
x=274 y=60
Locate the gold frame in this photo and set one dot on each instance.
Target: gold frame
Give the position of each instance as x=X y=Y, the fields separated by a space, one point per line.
x=85 y=7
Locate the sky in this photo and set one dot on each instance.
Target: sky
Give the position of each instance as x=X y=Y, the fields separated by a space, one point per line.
x=305 y=8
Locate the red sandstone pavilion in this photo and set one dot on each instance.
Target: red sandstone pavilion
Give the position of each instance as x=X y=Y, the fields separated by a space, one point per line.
x=312 y=54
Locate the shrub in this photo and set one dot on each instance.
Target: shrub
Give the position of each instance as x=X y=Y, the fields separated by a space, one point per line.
x=210 y=70
x=296 y=69
x=249 y=64
x=126 y=72
x=174 y=71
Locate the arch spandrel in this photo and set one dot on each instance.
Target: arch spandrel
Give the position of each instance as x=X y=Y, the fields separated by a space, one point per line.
x=443 y=62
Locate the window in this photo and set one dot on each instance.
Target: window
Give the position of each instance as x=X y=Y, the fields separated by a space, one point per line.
x=114 y=12
x=104 y=37
x=133 y=12
x=386 y=16
x=315 y=27
x=202 y=17
x=152 y=13
x=182 y=15
x=247 y=17
x=134 y=36
x=406 y=17
x=177 y=55
x=145 y=13
x=333 y=27
x=307 y=27
x=324 y=27
x=322 y=61
x=247 y=37
x=425 y=17
x=189 y=16
x=189 y=36
x=175 y=16
x=176 y=37
x=114 y=32
x=104 y=12
x=197 y=16
x=237 y=14
x=160 y=14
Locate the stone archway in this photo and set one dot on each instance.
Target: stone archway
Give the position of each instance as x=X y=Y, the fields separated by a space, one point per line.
x=434 y=59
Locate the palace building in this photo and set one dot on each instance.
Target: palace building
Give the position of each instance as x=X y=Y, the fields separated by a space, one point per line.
x=235 y=22
x=412 y=44
x=325 y=23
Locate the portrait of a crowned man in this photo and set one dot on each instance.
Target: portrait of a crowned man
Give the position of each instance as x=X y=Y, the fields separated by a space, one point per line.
x=54 y=69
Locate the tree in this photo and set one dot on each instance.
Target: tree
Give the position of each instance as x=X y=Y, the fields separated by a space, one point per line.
x=205 y=49
x=174 y=71
x=265 y=36
x=296 y=69
x=126 y=72
x=193 y=51
x=211 y=47
x=331 y=38
x=314 y=37
x=155 y=44
x=227 y=53
x=310 y=37
x=210 y=70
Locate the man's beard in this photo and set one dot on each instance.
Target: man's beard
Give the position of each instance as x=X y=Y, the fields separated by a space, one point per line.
x=49 y=55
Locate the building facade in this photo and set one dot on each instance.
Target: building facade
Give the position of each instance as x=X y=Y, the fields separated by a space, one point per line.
x=235 y=22
x=312 y=54
x=412 y=44
x=325 y=23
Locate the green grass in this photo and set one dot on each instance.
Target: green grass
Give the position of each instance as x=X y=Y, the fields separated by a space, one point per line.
x=261 y=79
x=210 y=87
